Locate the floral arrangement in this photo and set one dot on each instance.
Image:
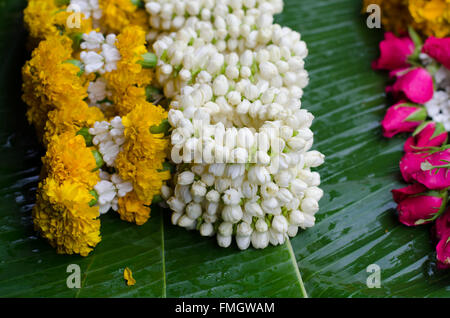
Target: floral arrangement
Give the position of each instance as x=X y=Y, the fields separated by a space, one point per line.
x=229 y=154
x=86 y=94
x=421 y=73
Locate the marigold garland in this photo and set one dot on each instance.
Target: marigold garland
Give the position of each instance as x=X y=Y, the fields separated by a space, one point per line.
x=65 y=101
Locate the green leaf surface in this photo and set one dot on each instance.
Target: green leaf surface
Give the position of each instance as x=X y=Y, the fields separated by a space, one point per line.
x=356 y=225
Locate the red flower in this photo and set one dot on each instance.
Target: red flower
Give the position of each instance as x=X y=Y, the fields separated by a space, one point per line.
x=415 y=84
x=443 y=251
x=416 y=207
x=434 y=172
x=402 y=117
x=442 y=224
x=442 y=230
x=427 y=135
x=394 y=53
x=410 y=165
x=439 y=49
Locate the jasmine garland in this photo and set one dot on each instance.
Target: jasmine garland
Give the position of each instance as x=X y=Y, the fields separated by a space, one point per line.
x=240 y=138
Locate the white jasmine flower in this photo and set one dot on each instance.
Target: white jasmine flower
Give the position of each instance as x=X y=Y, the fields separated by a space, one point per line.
x=97 y=55
x=292 y=230
x=276 y=238
x=213 y=196
x=232 y=197
x=223 y=241
x=253 y=209
x=92 y=41
x=314 y=159
x=185 y=221
x=193 y=210
x=198 y=189
x=207 y=229
x=314 y=193
x=232 y=213
x=269 y=190
x=93 y=62
x=280 y=224
x=243 y=242
x=260 y=240
x=176 y=205
x=310 y=206
x=87 y=7
x=261 y=226
x=186 y=178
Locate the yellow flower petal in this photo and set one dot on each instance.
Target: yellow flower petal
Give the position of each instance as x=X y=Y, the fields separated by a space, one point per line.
x=128 y=275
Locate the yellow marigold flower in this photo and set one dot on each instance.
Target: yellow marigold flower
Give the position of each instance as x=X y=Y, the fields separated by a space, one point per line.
x=118 y=14
x=68 y=159
x=128 y=82
x=49 y=82
x=71 y=118
x=429 y=17
x=133 y=210
x=62 y=215
x=432 y=17
x=131 y=97
x=143 y=153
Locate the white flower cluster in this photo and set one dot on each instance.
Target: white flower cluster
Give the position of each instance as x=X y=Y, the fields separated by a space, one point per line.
x=172 y=15
x=240 y=134
x=89 y=8
x=108 y=139
x=99 y=94
x=438 y=107
x=99 y=53
x=109 y=190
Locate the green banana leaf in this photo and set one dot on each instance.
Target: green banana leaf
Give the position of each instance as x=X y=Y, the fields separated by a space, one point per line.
x=356 y=225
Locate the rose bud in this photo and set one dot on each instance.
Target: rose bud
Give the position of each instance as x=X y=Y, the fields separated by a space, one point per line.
x=429 y=134
x=394 y=52
x=443 y=251
x=415 y=84
x=402 y=117
x=434 y=172
x=442 y=229
x=411 y=163
x=416 y=207
x=442 y=224
x=439 y=49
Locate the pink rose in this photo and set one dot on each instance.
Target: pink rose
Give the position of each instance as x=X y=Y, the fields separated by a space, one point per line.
x=439 y=49
x=427 y=135
x=442 y=224
x=443 y=251
x=434 y=172
x=410 y=165
x=402 y=117
x=442 y=231
x=416 y=207
x=403 y=193
x=394 y=52
x=415 y=84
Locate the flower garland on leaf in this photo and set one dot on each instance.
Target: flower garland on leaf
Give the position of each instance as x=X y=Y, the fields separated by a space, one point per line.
x=77 y=84
x=241 y=142
x=422 y=88
x=223 y=69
